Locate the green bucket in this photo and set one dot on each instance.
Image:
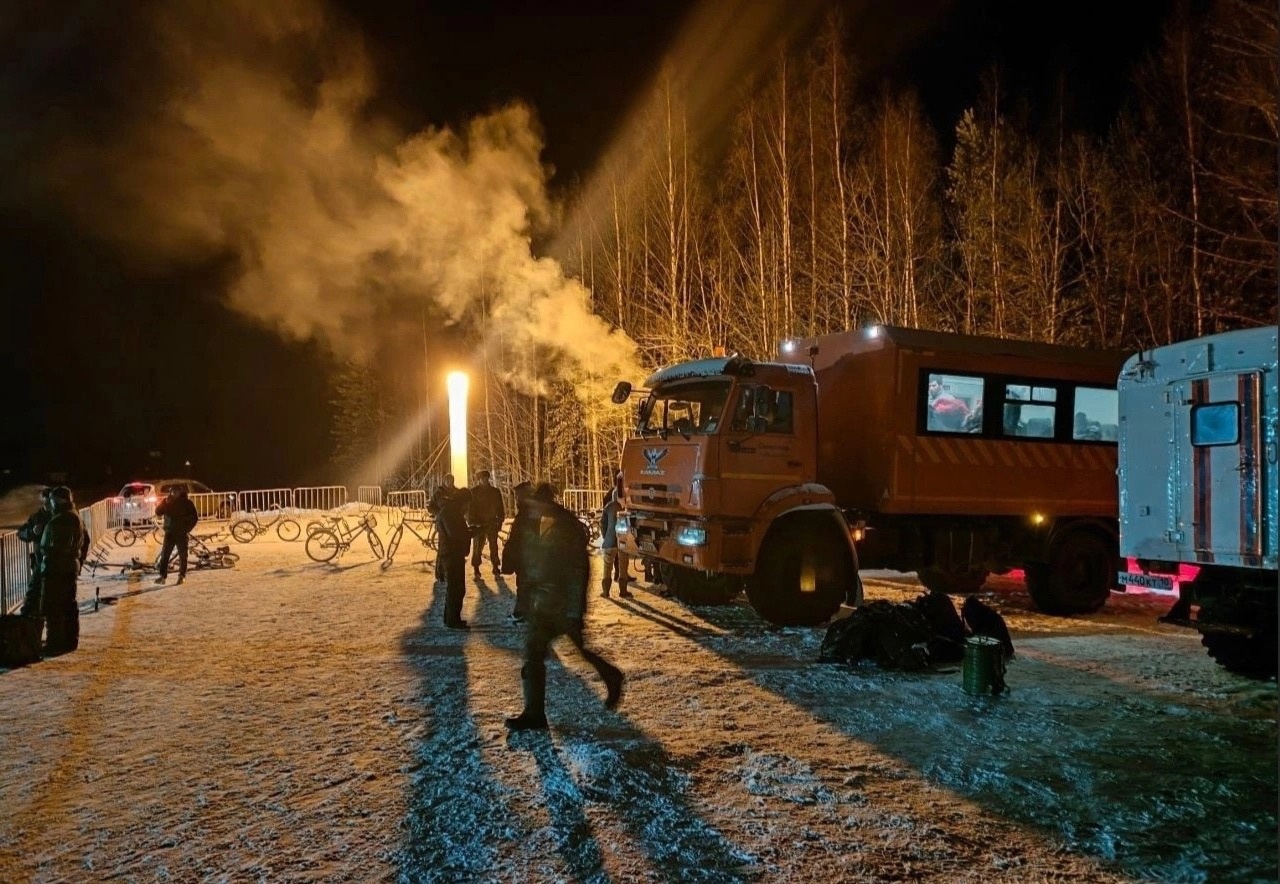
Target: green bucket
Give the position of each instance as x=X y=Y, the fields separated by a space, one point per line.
x=983 y=665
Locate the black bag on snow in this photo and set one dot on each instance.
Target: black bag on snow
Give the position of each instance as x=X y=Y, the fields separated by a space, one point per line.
x=19 y=640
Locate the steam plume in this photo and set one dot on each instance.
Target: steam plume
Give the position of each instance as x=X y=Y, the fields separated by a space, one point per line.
x=264 y=148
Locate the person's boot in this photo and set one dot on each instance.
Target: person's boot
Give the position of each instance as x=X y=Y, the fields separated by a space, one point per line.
x=613 y=680
x=604 y=589
x=181 y=579
x=475 y=571
x=159 y=581
x=623 y=592
x=534 y=716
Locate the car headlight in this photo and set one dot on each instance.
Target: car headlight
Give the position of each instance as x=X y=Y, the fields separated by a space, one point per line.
x=691 y=535
x=622 y=526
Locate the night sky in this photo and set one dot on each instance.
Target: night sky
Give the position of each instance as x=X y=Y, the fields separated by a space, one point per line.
x=112 y=357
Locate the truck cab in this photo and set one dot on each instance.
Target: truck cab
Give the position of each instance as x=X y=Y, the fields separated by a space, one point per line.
x=724 y=458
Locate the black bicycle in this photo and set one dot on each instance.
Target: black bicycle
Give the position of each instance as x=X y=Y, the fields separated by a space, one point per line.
x=246 y=528
x=326 y=544
x=423 y=529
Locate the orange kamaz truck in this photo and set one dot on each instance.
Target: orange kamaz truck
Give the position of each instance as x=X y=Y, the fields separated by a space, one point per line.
x=950 y=455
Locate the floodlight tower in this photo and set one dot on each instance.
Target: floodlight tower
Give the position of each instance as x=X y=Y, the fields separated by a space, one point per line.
x=458 y=383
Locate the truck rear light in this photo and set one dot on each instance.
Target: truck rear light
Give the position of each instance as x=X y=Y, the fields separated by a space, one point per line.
x=691 y=535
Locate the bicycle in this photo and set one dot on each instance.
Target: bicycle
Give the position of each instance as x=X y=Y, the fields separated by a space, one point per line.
x=324 y=544
x=201 y=555
x=427 y=536
x=128 y=535
x=248 y=527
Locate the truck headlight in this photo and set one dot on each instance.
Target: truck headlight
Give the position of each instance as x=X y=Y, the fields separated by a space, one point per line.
x=622 y=526
x=691 y=535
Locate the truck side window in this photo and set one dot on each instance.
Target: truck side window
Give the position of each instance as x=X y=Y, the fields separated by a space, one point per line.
x=775 y=406
x=1215 y=423
x=1096 y=413
x=954 y=403
x=1029 y=412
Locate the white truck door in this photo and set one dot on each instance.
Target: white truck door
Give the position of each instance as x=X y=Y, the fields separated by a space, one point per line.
x=1217 y=480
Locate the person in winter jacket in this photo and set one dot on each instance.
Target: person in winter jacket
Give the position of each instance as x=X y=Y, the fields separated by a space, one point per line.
x=455 y=540
x=61 y=545
x=515 y=540
x=180 y=519
x=555 y=565
x=30 y=533
x=615 y=560
x=445 y=490
x=486 y=516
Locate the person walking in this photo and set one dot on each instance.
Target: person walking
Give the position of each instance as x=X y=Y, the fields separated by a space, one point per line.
x=180 y=518
x=486 y=515
x=444 y=491
x=30 y=533
x=555 y=563
x=61 y=546
x=616 y=562
x=455 y=540
x=511 y=549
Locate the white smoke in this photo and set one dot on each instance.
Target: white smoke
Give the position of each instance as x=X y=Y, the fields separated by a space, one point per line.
x=265 y=148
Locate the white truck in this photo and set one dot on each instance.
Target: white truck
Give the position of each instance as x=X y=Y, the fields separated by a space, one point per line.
x=1197 y=471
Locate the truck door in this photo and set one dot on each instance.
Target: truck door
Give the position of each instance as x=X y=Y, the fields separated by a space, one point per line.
x=764 y=448
x=1220 y=463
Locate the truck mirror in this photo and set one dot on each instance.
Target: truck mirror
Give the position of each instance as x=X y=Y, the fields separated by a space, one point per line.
x=756 y=424
x=621 y=393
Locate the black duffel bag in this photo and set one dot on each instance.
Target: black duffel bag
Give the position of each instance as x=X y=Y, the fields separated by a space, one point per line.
x=19 y=640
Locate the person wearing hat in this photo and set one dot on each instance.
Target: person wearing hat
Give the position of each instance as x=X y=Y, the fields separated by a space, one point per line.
x=439 y=497
x=486 y=516
x=615 y=560
x=61 y=550
x=30 y=533
x=180 y=518
x=455 y=540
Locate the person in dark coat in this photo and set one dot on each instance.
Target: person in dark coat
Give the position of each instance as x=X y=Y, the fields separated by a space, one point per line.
x=455 y=541
x=520 y=526
x=30 y=533
x=486 y=516
x=60 y=549
x=616 y=562
x=435 y=506
x=556 y=566
x=180 y=519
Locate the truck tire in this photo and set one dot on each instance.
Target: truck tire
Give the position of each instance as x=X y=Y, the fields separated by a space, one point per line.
x=696 y=588
x=1078 y=576
x=1253 y=656
x=954 y=582
x=791 y=547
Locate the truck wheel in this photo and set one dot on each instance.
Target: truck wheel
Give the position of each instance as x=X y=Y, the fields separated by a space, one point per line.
x=1253 y=656
x=1077 y=578
x=802 y=573
x=956 y=582
x=696 y=588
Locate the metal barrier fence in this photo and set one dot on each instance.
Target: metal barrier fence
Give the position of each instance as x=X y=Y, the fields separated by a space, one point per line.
x=581 y=500
x=96 y=519
x=215 y=505
x=369 y=495
x=402 y=503
x=15 y=571
x=323 y=497
x=265 y=499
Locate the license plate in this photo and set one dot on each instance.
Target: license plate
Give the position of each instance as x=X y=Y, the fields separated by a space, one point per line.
x=1146 y=581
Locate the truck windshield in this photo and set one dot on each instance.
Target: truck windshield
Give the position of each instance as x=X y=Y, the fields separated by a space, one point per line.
x=685 y=408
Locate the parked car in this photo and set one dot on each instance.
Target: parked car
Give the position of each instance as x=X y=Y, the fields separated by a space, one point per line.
x=137 y=500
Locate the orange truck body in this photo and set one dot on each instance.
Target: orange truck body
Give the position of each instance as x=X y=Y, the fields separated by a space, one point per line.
x=846 y=438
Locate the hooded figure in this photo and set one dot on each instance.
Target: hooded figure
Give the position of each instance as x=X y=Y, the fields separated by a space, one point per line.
x=520 y=527
x=61 y=546
x=455 y=541
x=616 y=562
x=30 y=533
x=555 y=565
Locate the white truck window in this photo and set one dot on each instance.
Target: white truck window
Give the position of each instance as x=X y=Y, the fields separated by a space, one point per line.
x=955 y=403
x=1029 y=411
x=1215 y=423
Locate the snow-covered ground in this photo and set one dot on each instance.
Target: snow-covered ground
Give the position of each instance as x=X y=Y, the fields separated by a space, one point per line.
x=285 y=720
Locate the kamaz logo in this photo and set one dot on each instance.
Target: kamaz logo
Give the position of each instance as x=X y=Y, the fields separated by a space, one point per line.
x=651 y=457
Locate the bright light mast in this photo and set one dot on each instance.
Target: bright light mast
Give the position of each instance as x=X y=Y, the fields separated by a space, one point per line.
x=458 y=382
